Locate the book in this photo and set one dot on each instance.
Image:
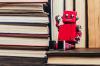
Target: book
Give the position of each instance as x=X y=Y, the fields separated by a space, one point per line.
x=69 y=5
x=23 y=53
x=24 y=35
x=93 y=23
x=74 y=57
x=22 y=7
x=57 y=8
x=19 y=29
x=20 y=11
x=35 y=14
x=80 y=9
x=29 y=42
x=14 y=7
x=29 y=19
x=74 y=60
x=23 y=1
x=20 y=3
x=22 y=61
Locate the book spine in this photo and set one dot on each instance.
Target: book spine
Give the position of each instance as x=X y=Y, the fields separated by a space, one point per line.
x=23 y=0
x=21 y=45
x=24 y=24
x=80 y=8
x=24 y=35
x=94 y=23
x=57 y=7
x=69 y=5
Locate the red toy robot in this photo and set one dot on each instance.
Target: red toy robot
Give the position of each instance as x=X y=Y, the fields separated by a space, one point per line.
x=68 y=32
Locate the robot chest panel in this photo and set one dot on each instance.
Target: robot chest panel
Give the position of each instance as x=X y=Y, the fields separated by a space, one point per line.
x=67 y=32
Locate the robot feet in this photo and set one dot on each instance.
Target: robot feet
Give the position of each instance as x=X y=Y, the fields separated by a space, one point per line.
x=64 y=46
x=60 y=45
x=69 y=46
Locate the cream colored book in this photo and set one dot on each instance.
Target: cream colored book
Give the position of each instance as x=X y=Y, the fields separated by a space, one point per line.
x=16 y=41
x=80 y=9
x=24 y=29
x=69 y=5
x=30 y=8
x=74 y=60
x=29 y=19
x=57 y=7
x=23 y=53
x=21 y=8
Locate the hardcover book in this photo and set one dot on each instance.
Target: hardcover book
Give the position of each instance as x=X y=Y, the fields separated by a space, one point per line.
x=23 y=0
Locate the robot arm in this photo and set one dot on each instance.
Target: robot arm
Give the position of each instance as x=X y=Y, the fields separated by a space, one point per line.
x=78 y=33
x=58 y=20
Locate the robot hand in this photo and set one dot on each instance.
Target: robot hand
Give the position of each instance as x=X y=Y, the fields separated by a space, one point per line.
x=58 y=18
x=78 y=28
x=79 y=33
x=58 y=21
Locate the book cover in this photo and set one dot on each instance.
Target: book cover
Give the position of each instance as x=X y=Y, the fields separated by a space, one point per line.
x=24 y=29
x=17 y=41
x=23 y=0
x=81 y=13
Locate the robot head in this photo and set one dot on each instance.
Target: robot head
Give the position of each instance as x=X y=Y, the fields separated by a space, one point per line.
x=69 y=16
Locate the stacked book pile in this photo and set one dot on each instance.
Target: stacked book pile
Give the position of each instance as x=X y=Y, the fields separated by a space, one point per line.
x=24 y=28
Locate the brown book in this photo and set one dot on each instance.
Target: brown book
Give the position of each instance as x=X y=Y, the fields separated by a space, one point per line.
x=22 y=8
x=23 y=0
x=24 y=35
x=2 y=4
x=75 y=57
x=20 y=13
x=94 y=23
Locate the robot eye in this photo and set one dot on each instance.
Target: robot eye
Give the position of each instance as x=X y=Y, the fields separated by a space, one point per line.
x=66 y=15
x=72 y=16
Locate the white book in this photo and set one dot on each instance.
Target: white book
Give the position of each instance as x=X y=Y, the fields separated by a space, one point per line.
x=28 y=19
x=80 y=8
x=57 y=7
x=69 y=5
x=24 y=29
x=16 y=41
x=23 y=53
x=23 y=0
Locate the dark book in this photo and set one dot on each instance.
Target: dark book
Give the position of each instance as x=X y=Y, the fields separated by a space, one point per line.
x=74 y=57
x=24 y=35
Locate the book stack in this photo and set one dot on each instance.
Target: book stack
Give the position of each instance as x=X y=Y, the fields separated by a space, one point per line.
x=24 y=28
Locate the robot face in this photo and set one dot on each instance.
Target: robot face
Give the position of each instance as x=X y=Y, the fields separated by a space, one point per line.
x=69 y=16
